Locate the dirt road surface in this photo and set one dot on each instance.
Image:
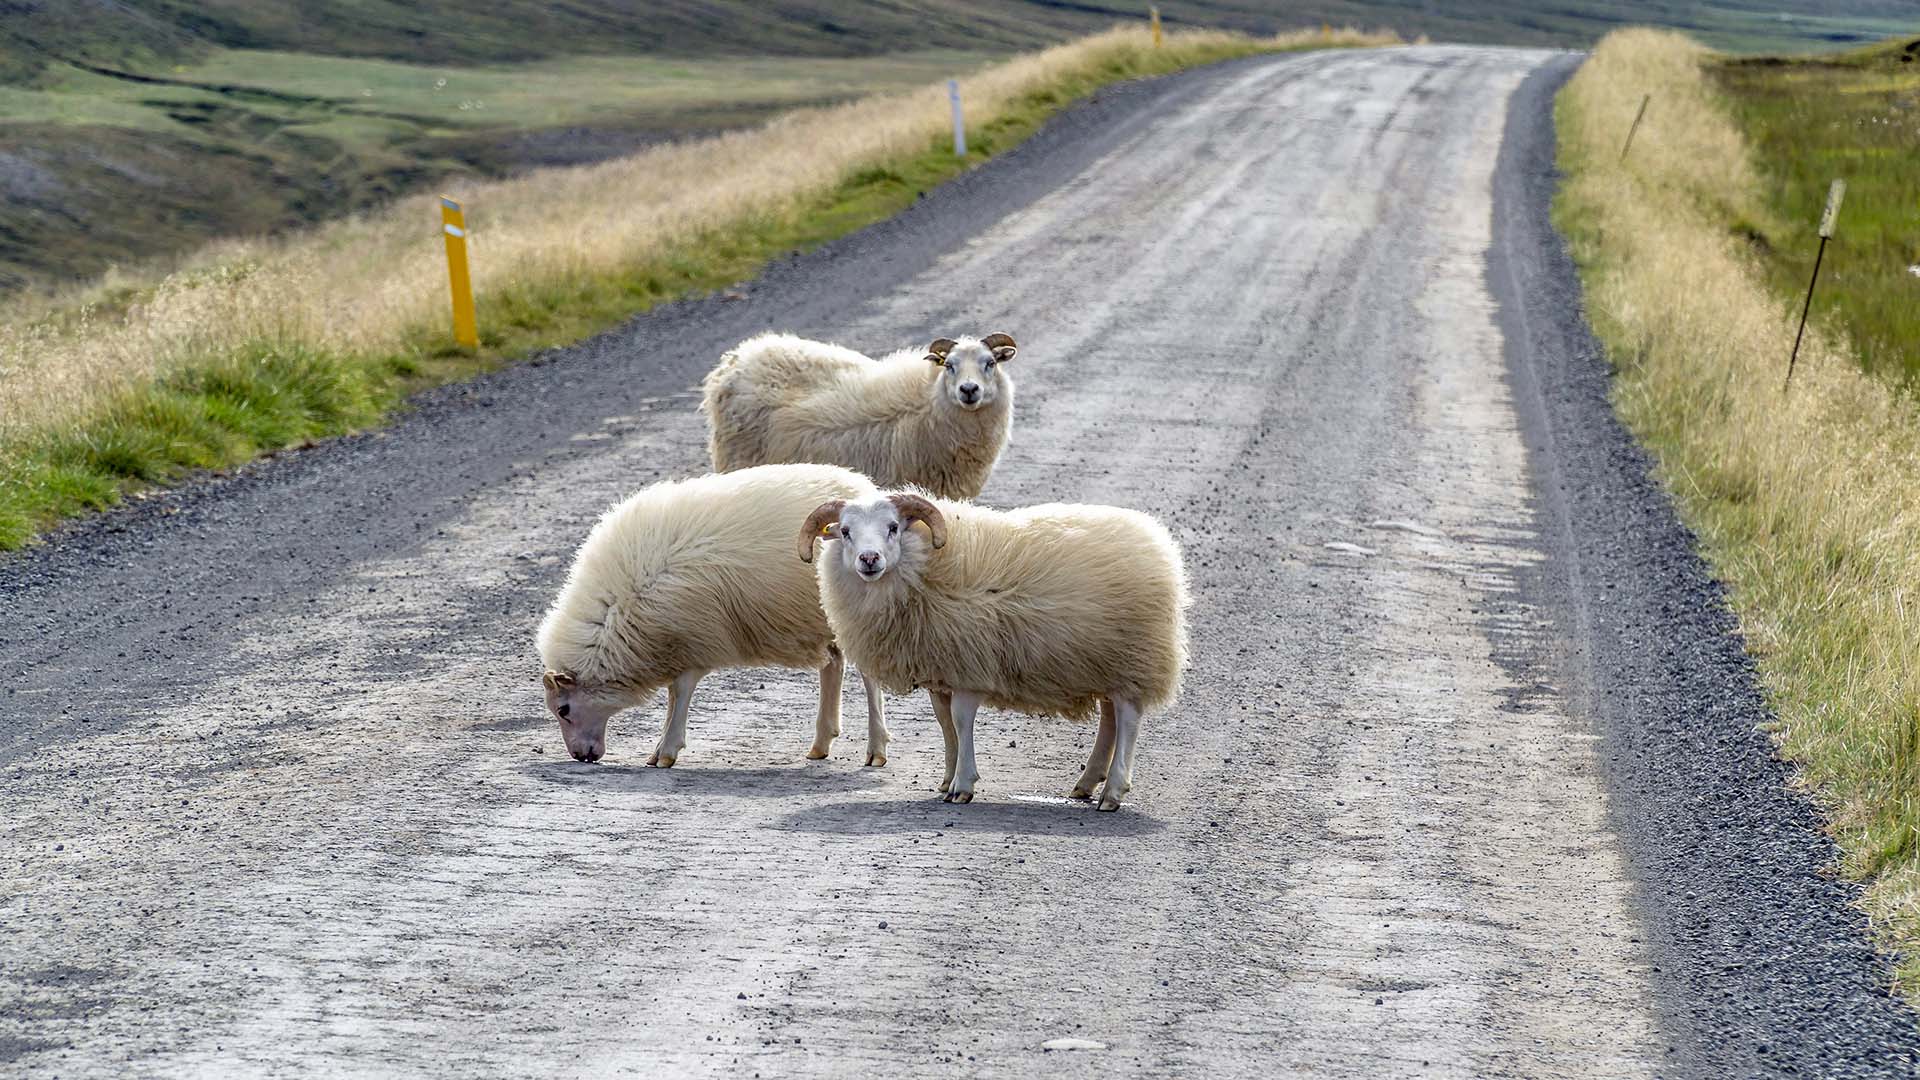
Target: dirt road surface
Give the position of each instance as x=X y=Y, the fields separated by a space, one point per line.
x=277 y=795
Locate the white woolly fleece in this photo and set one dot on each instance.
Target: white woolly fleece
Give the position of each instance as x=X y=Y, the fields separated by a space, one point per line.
x=778 y=397
x=695 y=575
x=1041 y=610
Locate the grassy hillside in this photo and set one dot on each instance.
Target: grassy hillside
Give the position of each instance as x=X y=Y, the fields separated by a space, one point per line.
x=184 y=120
x=1807 y=502
x=134 y=32
x=242 y=142
x=1853 y=115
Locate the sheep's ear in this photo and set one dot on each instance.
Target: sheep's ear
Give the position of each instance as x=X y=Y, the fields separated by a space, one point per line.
x=914 y=508
x=558 y=680
x=1002 y=346
x=937 y=352
x=818 y=526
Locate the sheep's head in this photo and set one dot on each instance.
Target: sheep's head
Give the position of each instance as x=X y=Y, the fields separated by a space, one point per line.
x=582 y=713
x=972 y=373
x=870 y=532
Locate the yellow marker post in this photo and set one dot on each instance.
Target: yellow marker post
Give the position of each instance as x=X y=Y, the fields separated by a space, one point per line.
x=453 y=222
x=1153 y=14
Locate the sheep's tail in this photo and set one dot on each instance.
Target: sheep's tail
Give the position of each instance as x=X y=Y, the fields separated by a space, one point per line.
x=718 y=391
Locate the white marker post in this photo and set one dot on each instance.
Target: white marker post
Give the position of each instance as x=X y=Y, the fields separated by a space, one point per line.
x=1827 y=219
x=959 y=121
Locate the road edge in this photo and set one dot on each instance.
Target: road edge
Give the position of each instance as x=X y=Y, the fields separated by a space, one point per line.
x=1761 y=961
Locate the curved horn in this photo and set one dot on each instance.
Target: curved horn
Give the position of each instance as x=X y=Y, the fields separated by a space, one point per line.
x=1001 y=345
x=937 y=352
x=824 y=517
x=913 y=508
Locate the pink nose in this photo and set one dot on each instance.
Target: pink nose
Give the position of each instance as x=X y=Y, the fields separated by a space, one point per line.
x=869 y=560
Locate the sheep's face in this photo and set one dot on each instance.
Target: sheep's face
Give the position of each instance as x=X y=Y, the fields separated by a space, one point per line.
x=973 y=373
x=869 y=538
x=871 y=532
x=582 y=713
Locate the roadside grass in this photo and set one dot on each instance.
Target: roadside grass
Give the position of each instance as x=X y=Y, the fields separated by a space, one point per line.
x=1853 y=115
x=255 y=346
x=1807 y=503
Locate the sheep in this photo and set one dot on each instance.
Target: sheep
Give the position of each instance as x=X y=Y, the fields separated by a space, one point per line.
x=936 y=420
x=1048 y=610
x=685 y=578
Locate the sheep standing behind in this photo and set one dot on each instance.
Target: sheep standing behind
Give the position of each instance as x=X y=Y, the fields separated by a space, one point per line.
x=1049 y=610
x=935 y=419
x=686 y=578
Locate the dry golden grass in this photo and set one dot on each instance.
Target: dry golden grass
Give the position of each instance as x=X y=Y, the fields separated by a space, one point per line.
x=1807 y=502
x=361 y=287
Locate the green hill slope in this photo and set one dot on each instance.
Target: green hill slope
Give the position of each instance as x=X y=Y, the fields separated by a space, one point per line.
x=183 y=120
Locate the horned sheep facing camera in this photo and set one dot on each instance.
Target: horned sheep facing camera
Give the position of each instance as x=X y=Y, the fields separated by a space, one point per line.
x=1053 y=610
x=935 y=419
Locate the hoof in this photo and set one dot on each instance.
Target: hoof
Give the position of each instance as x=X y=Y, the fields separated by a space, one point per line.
x=1081 y=793
x=958 y=797
x=878 y=761
x=815 y=754
x=1109 y=803
x=663 y=761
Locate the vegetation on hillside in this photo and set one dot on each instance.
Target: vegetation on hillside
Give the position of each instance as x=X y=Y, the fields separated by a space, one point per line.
x=136 y=32
x=1855 y=116
x=246 y=142
x=185 y=120
x=1807 y=503
x=255 y=345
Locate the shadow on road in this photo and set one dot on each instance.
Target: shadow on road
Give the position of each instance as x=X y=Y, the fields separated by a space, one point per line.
x=718 y=781
x=926 y=813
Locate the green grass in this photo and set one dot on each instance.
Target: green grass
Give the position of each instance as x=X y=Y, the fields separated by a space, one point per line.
x=1853 y=116
x=291 y=139
x=227 y=409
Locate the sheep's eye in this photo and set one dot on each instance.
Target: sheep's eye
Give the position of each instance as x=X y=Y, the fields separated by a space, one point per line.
x=949 y=365
x=989 y=365
x=893 y=528
x=564 y=710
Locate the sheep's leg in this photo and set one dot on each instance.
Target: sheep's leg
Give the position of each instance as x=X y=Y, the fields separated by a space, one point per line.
x=877 y=734
x=943 y=715
x=1126 y=734
x=965 y=775
x=1102 y=756
x=674 y=738
x=827 y=726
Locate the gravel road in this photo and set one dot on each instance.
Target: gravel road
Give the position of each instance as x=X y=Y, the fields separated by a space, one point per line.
x=278 y=796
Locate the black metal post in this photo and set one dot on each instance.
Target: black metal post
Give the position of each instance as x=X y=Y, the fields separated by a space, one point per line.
x=1635 y=127
x=1791 y=360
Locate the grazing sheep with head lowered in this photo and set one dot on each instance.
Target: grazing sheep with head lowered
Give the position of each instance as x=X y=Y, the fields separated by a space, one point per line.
x=936 y=419
x=689 y=577
x=1048 y=610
